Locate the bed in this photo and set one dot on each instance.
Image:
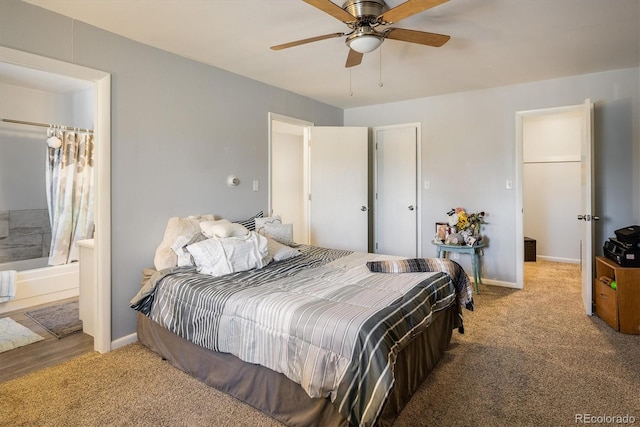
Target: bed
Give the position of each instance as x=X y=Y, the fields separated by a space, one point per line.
x=321 y=337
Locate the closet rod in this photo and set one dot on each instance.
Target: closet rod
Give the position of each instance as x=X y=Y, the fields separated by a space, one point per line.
x=44 y=125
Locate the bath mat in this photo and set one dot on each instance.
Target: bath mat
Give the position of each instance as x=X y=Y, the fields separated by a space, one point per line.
x=14 y=335
x=61 y=320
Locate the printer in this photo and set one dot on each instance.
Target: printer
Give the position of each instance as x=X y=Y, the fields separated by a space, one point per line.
x=624 y=249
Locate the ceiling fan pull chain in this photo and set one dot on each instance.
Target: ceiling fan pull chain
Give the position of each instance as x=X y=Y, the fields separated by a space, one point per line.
x=380 y=84
x=350 y=88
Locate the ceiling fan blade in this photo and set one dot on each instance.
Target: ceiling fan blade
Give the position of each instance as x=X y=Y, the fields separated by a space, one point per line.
x=413 y=36
x=407 y=9
x=327 y=6
x=305 y=41
x=354 y=58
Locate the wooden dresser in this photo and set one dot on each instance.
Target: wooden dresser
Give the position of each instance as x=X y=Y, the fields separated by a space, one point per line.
x=620 y=308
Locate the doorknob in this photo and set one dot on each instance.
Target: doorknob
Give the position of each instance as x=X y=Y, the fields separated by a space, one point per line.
x=411 y=207
x=364 y=208
x=595 y=218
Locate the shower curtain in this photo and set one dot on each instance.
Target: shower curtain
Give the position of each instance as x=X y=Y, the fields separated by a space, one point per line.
x=69 y=188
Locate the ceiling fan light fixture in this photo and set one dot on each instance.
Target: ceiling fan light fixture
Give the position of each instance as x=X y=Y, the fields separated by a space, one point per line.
x=364 y=42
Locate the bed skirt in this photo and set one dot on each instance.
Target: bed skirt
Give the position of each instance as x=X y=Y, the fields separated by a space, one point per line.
x=281 y=398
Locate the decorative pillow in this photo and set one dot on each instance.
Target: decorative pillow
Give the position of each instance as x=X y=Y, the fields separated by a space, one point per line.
x=223 y=228
x=249 y=222
x=282 y=233
x=165 y=257
x=280 y=252
x=220 y=256
x=261 y=222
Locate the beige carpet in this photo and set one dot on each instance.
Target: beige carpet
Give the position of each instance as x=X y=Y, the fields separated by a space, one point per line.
x=528 y=357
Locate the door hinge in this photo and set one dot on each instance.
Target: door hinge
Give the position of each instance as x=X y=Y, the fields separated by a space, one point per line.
x=309 y=196
x=376 y=246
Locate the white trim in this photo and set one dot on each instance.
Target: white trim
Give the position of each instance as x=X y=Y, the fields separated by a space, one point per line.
x=500 y=283
x=557 y=259
x=102 y=132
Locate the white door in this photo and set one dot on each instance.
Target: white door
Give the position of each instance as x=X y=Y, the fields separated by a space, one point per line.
x=339 y=188
x=586 y=215
x=396 y=195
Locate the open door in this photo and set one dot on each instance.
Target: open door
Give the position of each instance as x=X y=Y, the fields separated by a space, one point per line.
x=585 y=112
x=586 y=216
x=339 y=187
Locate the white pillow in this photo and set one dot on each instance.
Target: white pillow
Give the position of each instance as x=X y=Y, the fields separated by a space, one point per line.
x=220 y=256
x=223 y=228
x=283 y=233
x=179 y=247
x=280 y=252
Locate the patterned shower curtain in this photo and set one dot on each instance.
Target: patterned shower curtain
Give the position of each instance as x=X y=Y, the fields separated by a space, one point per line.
x=69 y=187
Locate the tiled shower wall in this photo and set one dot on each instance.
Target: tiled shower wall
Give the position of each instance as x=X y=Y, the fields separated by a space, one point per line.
x=24 y=234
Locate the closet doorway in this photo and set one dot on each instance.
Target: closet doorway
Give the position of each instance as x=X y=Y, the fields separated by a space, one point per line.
x=34 y=68
x=555 y=188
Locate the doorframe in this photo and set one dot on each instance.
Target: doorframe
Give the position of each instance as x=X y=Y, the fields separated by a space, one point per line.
x=519 y=172
x=306 y=126
x=102 y=131
x=418 y=129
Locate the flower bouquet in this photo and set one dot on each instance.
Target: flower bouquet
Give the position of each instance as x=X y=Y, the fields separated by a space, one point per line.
x=463 y=228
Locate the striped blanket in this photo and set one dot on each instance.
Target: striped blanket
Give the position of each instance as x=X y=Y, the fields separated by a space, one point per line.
x=322 y=319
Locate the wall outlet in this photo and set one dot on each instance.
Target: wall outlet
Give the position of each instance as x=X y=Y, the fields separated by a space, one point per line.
x=427 y=184
x=509 y=184
x=256 y=185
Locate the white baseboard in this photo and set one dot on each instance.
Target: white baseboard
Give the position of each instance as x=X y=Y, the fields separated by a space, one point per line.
x=558 y=259
x=500 y=283
x=126 y=340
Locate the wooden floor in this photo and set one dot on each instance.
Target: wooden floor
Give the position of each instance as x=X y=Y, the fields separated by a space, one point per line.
x=48 y=352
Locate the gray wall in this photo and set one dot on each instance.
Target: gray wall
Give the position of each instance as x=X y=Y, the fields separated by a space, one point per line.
x=468 y=153
x=179 y=128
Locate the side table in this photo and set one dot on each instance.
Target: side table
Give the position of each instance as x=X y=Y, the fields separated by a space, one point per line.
x=474 y=251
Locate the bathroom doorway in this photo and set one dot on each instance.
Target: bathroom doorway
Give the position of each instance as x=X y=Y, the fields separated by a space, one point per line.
x=21 y=69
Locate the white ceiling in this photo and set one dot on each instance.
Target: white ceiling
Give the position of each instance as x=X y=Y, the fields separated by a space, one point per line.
x=493 y=43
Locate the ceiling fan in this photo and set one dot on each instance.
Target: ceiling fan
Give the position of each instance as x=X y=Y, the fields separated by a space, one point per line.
x=363 y=17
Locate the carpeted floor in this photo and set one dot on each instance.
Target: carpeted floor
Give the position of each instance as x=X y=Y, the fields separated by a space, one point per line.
x=528 y=357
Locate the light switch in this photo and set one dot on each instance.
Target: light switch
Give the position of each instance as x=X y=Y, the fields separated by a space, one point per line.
x=509 y=184
x=427 y=184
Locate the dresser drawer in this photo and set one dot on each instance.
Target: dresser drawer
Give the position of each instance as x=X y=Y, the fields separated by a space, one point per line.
x=606 y=304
